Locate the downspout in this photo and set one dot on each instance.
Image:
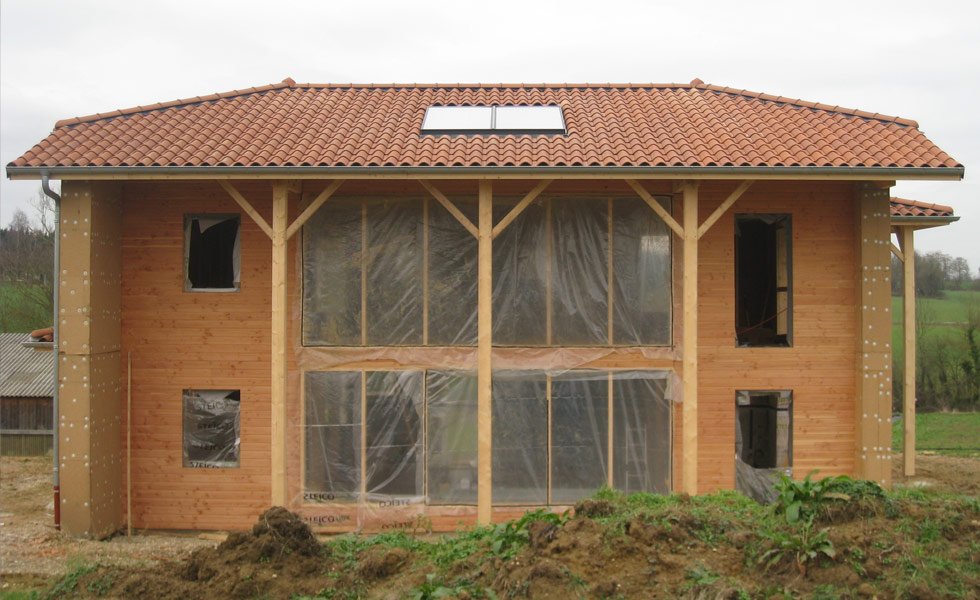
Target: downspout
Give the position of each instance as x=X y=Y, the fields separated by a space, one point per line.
x=56 y=337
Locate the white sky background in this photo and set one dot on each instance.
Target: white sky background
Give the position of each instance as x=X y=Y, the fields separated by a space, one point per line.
x=919 y=60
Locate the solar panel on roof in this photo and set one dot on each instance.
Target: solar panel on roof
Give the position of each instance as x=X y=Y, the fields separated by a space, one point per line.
x=493 y=120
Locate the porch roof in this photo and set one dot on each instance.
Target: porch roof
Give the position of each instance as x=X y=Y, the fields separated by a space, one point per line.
x=651 y=128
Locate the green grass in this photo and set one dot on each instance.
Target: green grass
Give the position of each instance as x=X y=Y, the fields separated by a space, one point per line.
x=953 y=308
x=19 y=308
x=955 y=434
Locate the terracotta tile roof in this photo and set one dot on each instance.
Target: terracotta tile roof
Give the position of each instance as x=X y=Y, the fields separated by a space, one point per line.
x=609 y=125
x=900 y=207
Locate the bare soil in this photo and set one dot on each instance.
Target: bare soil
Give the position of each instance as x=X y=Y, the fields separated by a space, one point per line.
x=688 y=547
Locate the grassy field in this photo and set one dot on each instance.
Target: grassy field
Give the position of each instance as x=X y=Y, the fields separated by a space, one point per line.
x=19 y=308
x=953 y=434
x=944 y=317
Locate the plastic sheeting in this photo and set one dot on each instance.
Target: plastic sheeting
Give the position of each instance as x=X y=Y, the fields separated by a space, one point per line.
x=420 y=434
x=418 y=267
x=763 y=442
x=212 y=428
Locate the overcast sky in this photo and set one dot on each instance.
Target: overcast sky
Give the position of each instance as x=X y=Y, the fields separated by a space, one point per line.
x=919 y=60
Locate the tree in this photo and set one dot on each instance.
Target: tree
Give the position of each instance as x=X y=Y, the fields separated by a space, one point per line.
x=26 y=272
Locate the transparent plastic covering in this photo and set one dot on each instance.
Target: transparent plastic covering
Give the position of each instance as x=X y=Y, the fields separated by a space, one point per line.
x=212 y=428
x=569 y=271
x=763 y=442
x=551 y=438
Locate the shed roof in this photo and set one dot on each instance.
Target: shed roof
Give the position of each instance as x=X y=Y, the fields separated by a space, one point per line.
x=902 y=207
x=609 y=125
x=24 y=372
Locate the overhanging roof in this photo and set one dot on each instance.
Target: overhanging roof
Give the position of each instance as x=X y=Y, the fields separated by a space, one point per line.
x=291 y=129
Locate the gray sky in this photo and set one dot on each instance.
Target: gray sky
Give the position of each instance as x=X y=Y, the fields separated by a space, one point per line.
x=919 y=60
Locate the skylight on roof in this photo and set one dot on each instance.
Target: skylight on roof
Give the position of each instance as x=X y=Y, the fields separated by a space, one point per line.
x=494 y=119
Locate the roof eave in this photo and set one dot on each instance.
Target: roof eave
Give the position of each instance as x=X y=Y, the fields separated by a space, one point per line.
x=494 y=172
x=923 y=222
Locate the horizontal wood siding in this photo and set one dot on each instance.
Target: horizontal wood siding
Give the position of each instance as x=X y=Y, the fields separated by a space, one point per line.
x=819 y=368
x=185 y=340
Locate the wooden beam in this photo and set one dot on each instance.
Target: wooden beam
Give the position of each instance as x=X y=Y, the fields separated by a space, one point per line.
x=717 y=214
x=313 y=207
x=898 y=252
x=689 y=423
x=660 y=210
x=484 y=354
x=280 y=216
x=908 y=402
x=517 y=210
x=448 y=204
x=246 y=206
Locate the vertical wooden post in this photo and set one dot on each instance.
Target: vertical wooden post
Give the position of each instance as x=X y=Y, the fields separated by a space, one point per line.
x=689 y=422
x=280 y=216
x=484 y=349
x=908 y=407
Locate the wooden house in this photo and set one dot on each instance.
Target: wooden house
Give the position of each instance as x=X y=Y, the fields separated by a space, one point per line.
x=426 y=306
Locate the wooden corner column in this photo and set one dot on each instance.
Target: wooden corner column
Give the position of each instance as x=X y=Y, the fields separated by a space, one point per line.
x=484 y=478
x=689 y=423
x=90 y=361
x=906 y=235
x=873 y=389
x=280 y=216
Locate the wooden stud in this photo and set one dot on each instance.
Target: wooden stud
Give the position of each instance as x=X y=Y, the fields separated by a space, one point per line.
x=129 y=444
x=717 y=214
x=364 y=272
x=609 y=430
x=425 y=272
x=660 y=210
x=313 y=207
x=448 y=204
x=484 y=357
x=689 y=422
x=549 y=308
x=246 y=206
x=908 y=404
x=547 y=392
x=517 y=210
x=280 y=216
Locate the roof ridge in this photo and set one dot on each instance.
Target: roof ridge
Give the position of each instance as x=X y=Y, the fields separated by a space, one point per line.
x=287 y=82
x=290 y=83
x=695 y=84
x=698 y=84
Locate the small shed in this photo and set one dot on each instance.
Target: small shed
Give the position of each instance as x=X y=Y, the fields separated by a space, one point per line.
x=26 y=387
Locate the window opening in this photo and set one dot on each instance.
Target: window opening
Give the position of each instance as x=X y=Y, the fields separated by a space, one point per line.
x=211 y=428
x=763 y=280
x=212 y=253
x=763 y=441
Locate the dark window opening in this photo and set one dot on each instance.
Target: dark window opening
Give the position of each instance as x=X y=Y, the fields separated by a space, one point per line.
x=763 y=280
x=763 y=441
x=212 y=428
x=212 y=252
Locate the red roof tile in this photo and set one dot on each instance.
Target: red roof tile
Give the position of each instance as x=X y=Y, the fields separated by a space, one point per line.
x=610 y=125
x=900 y=207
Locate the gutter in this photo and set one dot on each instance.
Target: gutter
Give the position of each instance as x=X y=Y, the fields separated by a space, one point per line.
x=55 y=301
x=500 y=172
x=924 y=220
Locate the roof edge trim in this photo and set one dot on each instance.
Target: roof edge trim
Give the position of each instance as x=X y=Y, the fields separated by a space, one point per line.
x=260 y=172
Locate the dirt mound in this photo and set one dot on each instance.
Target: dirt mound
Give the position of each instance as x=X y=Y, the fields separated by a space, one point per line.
x=594 y=508
x=379 y=563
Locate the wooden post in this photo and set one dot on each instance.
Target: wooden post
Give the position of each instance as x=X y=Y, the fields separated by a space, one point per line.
x=484 y=350
x=908 y=406
x=689 y=422
x=280 y=216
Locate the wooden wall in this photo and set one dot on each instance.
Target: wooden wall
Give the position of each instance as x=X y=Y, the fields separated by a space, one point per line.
x=819 y=367
x=222 y=340
x=178 y=340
